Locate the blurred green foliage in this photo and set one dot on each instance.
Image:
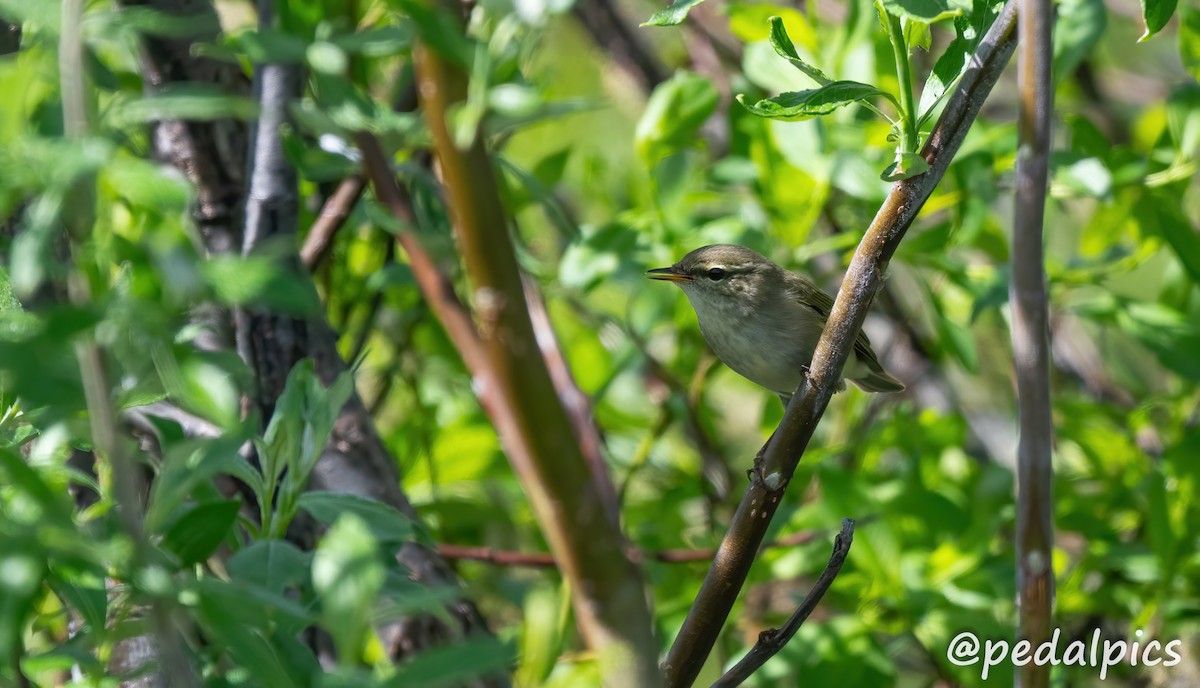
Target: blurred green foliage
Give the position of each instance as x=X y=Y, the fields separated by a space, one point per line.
x=603 y=182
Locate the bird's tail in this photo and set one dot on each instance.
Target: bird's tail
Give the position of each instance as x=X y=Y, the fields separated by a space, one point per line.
x=878 y=380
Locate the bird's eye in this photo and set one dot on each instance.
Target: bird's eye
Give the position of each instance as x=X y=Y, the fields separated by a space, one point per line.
x=716 y=274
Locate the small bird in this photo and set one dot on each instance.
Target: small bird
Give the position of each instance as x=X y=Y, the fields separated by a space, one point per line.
x=764 y=321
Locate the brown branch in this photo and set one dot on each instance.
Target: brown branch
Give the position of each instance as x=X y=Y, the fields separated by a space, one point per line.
x=519 y=395
x=574 y=401
x=1030 y=335
x=771 y=641
x=333 y=215
x=776 y=464
x=434 y=285
x=545 y=560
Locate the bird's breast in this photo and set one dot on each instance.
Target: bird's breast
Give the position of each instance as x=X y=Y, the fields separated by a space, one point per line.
x=769 y=349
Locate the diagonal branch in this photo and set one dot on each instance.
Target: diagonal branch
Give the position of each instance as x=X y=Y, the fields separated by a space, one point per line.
x=771 y=641
x=333 y=215
x=1030 y=337
x=776 y=464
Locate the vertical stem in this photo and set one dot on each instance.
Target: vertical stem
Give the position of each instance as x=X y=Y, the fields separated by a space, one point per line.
x=1030 y=329
x=908 y=118
x=79 y=218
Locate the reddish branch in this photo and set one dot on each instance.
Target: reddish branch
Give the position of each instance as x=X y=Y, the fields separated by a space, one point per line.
x=776 y=464
x=542 y=560
x=333 y=215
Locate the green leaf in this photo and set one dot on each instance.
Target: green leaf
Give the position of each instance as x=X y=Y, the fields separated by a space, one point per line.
x=1079 y=26
x=1161 y=214
x=253 y=606
x=813 y=103
x=348 y=575
x=948 y=68
x=382 y=41
x=254 y=625
x=1156 y=14
x=673 y=15
x=385 y=523
x=1189 y=40
x=542 y=637
x=261 y=280
x=84 y=591
x=187 y=465
x=1173 y=337
x=452 y=665
x=200 y=530
x=327 y=58
x=440 y=30
x=916 y=35
x=269 y=46
x=304 y=416
x=782 y=43
x=928 y=11
x=677 y=108
x=908 y=165
x=272 y=564
x=193 y=102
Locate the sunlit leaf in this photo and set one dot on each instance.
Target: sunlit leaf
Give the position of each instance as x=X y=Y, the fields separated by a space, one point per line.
x=782 y=43
x=1156 y=14
x=348 y=575
x=813 y=103
x=928 y=11
x=906 y=166
x=673 y=15
x=676 y=109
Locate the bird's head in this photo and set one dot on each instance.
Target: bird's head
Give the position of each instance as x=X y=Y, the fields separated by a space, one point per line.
x=722 y=276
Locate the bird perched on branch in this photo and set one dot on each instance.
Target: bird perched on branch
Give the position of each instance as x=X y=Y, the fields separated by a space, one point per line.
x=764 y=321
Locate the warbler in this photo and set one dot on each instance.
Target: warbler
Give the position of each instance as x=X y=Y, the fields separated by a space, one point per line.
x=764 y=321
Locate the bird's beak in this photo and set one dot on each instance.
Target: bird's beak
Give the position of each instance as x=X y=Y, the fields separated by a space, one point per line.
x=667 y=274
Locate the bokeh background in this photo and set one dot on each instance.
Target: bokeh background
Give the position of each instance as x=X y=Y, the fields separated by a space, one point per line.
x=620 y=148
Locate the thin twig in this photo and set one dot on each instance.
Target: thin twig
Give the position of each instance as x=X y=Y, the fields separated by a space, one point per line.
x=574 y=401
x=435 y=286
x=771 y=641
x=776 y=464
x=1030 y=337
x=333 y=216
x=543 y=560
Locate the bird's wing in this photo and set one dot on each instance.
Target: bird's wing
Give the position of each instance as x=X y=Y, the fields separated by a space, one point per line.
x=822 y=303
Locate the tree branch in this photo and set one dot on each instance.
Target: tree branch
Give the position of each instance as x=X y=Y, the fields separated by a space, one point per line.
x=771 y=641
x=545 y=560
x=520 y=396
x=333 y=215
x=776 y=464
x=1030 y=337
